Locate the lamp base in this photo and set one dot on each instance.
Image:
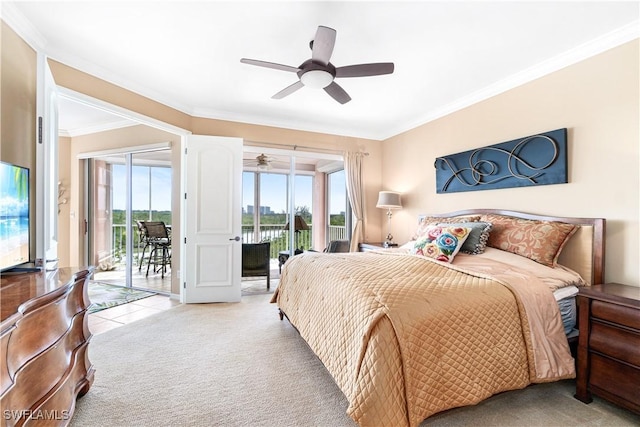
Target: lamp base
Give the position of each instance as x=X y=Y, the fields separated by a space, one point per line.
x=388 y=243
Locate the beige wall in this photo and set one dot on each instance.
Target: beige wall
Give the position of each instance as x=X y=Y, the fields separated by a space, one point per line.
x=596 y=99
x=18 y=70
x=64 y=177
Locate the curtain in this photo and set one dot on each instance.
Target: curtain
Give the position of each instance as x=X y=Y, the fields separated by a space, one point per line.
x=355 y=191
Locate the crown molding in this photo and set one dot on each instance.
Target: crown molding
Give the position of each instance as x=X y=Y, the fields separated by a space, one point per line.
x=102 y=127
x=21 y=25
x=580 y=53
x=251 y=119
x=132 y=116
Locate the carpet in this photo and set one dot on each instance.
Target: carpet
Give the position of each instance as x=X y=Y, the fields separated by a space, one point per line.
x=103 y=295
x=258 y=287
x=237 y=364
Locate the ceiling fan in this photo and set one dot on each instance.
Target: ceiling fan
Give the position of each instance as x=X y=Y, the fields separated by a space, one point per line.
x=261 y=162
x=319 y=73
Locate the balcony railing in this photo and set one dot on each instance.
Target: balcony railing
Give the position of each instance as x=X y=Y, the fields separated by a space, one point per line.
x=337 y=232
x=274 y=233
x=119 y=243
x=279 y=237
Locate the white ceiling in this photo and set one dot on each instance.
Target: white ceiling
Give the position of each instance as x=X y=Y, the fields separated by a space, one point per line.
x=447 y=55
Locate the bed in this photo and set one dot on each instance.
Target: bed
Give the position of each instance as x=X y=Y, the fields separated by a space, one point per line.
x=406 y=333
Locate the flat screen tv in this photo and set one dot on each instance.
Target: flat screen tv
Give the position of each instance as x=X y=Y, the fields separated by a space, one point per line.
x=14 y=216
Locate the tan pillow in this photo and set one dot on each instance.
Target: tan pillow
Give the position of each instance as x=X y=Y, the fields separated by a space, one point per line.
x=433 y=220
x=541 y=241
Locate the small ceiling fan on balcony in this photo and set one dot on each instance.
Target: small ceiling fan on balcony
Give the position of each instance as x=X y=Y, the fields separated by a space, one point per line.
x=319 y=73
x=261 y=162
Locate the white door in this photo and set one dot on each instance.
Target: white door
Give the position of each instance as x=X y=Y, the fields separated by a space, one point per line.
x=47 y=167
x=212 y=218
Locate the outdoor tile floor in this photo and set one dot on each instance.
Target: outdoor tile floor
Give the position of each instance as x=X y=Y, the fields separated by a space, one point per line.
x=114 y=317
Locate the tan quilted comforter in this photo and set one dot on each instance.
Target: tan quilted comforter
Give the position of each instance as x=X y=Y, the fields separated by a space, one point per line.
x=405 y=337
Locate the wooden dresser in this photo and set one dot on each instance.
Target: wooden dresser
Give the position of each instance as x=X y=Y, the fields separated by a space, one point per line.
x=609 y=344
x=44 y=335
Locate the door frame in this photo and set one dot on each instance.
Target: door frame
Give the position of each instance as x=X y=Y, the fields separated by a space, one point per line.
x=143 y=120
x=46 y=176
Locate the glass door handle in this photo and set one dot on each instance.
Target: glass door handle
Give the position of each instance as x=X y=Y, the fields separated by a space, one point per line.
x=237 y=238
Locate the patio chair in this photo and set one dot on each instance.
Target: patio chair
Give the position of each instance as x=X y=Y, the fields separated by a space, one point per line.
x=157 y=237
x=142 y=241
x=337 y=246
x=256 y=260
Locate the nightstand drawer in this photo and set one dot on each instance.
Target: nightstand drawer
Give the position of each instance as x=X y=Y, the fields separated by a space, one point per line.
x=616 y=378
x=626 y=316
x=616 y=342
x=608 y=356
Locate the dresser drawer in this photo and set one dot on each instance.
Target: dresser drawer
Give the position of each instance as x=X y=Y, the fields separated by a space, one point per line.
x=616 y=378
x=622 y=315
x=622 y=344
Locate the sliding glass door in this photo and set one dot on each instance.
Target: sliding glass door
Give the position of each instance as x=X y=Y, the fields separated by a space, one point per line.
x=338 y=208
x=266 y=209
x=273 y=194
x=124 y=191
x=296 y=201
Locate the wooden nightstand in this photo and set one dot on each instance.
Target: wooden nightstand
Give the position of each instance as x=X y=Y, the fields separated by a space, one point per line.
x=609 y=344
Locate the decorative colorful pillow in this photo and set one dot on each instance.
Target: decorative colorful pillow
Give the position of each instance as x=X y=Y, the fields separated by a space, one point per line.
x=440 y=242
x=541 y=241
x=433 y=220
x=478 y=236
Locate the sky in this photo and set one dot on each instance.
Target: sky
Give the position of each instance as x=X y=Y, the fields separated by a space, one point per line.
x=14 y=192
x=160 y=188
x=274 y=192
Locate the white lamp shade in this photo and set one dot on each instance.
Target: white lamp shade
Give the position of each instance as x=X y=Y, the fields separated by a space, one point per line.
x=389 y=200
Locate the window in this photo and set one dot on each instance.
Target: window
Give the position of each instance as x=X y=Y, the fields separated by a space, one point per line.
x=338 y=208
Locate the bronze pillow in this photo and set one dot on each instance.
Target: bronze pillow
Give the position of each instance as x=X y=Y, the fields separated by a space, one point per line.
x=541 y=241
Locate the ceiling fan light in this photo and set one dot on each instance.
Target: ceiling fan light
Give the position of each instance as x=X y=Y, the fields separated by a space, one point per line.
x=316 y=79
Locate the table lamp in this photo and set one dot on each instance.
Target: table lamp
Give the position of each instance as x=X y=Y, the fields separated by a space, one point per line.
x=298 y=225
x=389 y=200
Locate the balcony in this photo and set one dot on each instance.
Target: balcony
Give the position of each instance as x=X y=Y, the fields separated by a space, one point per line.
x=112 y=263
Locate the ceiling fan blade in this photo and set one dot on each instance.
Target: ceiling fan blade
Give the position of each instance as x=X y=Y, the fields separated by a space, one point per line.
x=337 y=93
x=363 y=70
x=288 y=90
x=270 y=65
x=323 y=44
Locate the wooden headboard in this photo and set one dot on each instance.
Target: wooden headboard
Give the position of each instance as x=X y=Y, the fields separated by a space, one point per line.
x=584 y=253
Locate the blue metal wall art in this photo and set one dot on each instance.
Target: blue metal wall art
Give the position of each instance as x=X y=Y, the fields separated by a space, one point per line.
x=535 y=160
